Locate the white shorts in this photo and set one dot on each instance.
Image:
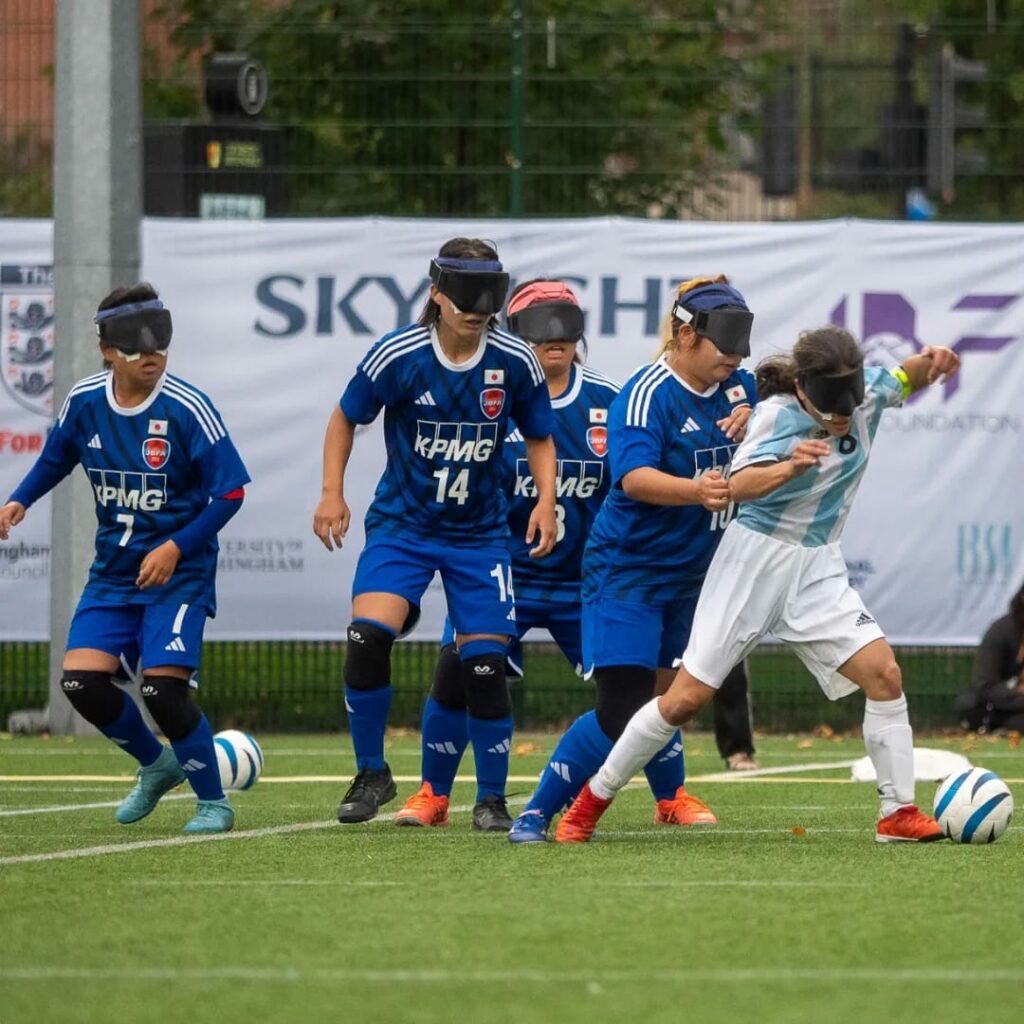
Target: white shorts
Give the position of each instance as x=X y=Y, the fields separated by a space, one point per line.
x=758 y=586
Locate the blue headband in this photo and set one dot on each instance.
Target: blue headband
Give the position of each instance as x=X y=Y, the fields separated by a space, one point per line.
x=474 y=266
x=711 y=296
x=131 y=307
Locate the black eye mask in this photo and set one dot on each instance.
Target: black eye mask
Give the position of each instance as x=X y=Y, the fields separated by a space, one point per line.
x=139 y=328
x=837 y=394
x=474 y=286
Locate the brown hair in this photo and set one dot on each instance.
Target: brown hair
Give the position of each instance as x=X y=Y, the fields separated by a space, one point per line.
x=671 y=324
x=461 y=249
x=824 y=350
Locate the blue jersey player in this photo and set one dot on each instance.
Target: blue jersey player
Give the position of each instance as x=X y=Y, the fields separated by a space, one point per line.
x=780 y=570
x=671 y=433
x=547 y=314
x=165 y=478
x=449 y=386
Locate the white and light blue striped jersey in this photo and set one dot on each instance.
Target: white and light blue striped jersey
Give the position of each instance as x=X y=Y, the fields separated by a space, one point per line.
x=638 y=551
x=445 y=426
x=811 y=510
x=152 y=468
x=581 y=441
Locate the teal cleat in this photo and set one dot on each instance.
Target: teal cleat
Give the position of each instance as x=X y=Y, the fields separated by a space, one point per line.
x=212 y=816
x=154 y=780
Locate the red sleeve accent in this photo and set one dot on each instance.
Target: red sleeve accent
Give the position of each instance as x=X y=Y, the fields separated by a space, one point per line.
x=236 y=495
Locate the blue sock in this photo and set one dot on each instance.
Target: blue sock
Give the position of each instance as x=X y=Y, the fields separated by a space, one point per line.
x=197 y=749
x=368 y=720
x=445 y=736
x=130 y=732
x=579 y=753
x=666 y=770
x=492 y=742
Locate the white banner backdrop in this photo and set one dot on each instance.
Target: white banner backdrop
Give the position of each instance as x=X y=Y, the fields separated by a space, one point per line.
x=272 y=317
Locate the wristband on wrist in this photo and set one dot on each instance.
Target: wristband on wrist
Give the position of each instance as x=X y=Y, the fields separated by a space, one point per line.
x=901 y=375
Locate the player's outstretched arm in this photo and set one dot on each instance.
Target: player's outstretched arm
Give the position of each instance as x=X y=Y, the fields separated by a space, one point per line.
x=331 y=516
x=540 y=455
x=10 y=515
x=756 y=481
x=932 y=363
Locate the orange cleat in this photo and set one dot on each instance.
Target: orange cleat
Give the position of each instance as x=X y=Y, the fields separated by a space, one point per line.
x=578 y=823
x=683 y=809
x=908 y=825
x=424 y=809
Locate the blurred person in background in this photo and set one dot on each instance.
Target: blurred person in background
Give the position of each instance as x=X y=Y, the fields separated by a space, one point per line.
x=166 y=478
x=449 y=386
x=995 y=699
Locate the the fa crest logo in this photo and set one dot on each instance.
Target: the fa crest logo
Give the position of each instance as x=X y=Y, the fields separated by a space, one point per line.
x=156 y=451
x=597 y=439
x=492 y=400
x=26 y=337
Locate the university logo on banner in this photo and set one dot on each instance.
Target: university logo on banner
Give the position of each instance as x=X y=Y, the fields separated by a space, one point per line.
x=26 y=337
x=597 y=438
x=492 y=401
x=156 y=451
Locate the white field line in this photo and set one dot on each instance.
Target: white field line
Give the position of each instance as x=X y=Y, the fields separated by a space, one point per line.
x=591 y=979
x=252 y=833
x=242 y=882
x=81 y=807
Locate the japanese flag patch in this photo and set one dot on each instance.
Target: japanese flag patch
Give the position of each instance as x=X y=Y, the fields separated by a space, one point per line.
x=158 y=427
x=736 y=394
x=494 y=376
x=598 y=415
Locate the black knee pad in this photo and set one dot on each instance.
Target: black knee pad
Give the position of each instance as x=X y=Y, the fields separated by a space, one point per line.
x=486 y=686
x=622 y=690
x=368 y=657
x=93 y=696
x=447 y=688
x=169 y=701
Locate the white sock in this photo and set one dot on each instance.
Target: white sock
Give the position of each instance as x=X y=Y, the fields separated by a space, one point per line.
x=645 y=734
x=890 y=743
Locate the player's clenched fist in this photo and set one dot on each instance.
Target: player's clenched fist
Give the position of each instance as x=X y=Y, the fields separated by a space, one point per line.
x=10 y=515
x=713 y=491
x=807 y=454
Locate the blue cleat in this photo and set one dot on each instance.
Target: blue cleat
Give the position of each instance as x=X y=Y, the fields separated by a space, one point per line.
x=529 y=827
x=154 y=780
x=212 y=816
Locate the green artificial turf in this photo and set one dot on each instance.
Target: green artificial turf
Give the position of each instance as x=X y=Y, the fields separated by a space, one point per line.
x=786 y=911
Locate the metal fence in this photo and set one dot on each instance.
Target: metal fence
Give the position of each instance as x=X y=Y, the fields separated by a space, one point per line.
x=296 y=687
x=757 y=110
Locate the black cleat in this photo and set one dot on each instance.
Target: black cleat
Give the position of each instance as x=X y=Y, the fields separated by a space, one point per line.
x=491 y=815
x=369 y=789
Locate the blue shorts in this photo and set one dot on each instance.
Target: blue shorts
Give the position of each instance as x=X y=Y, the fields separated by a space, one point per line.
x=157 y=634
x=560 y=618
x=632 y=633
x=477 y=581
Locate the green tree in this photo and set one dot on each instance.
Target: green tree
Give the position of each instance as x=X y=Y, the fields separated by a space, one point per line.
x=414 y=107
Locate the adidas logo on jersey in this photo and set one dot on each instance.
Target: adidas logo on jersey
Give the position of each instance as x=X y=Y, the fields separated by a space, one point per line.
x=689 y=426
x=95 y=442
x=192 y=765
x=177 y=644
x=444 y=747
x=425 y=399
x=864 y=619
x=561 y=770
x=501 y=748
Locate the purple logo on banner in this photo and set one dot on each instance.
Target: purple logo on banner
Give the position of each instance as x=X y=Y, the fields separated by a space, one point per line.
x=888 y=333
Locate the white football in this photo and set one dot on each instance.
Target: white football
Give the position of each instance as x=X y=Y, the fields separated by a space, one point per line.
x=239 y=758
x=973 y=806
